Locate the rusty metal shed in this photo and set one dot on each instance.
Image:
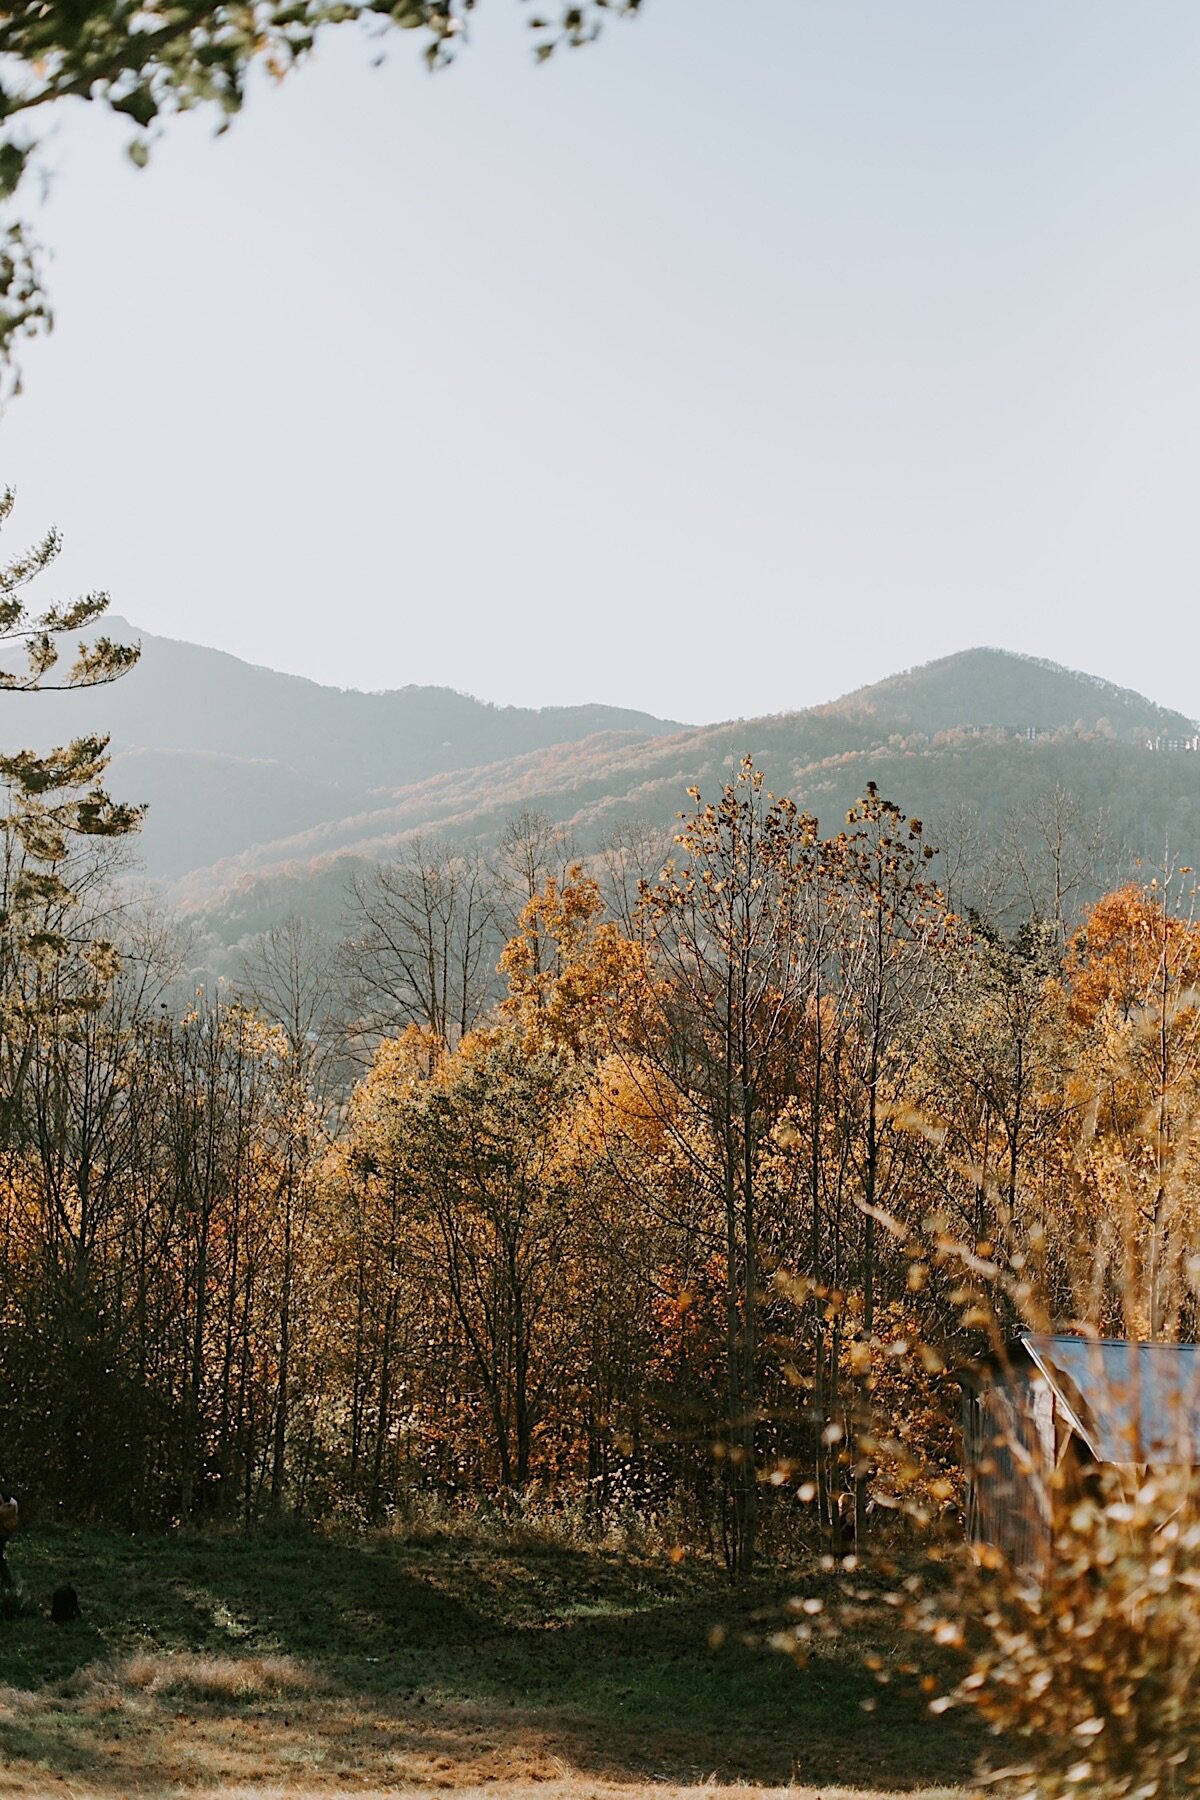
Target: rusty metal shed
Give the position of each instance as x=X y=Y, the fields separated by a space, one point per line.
x=1053 y=1405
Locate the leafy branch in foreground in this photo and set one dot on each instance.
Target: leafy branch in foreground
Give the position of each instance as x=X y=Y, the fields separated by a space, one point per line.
x=147 y=59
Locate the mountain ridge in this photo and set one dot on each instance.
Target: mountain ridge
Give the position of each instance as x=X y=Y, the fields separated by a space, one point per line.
x=255 y=775
x=1010 y=683
x=610 y=779
x=230 y=754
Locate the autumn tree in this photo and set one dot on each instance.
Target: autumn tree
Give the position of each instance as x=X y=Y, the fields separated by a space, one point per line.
x=384 y=1330
x=984 y=1072
x=422 y=942
x=889 y=983
x=1131 y=976
x=572 y=972
x=721 y=1029
x=577 y=978
x=480 y=1148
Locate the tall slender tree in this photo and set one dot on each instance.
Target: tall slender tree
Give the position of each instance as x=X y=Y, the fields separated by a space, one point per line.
x=54 y=801
x=888 y=985
x=723 y=1028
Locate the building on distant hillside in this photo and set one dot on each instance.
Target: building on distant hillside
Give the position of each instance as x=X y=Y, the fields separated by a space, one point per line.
x=1174 y=743
x=1055 y=1405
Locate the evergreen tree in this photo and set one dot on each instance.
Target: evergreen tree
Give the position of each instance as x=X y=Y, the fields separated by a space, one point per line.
x=52 y=968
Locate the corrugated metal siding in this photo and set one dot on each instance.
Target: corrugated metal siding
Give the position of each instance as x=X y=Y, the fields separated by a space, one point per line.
x=1008 y=1443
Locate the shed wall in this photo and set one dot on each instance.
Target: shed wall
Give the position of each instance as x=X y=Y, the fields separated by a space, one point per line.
x=1009 y=1458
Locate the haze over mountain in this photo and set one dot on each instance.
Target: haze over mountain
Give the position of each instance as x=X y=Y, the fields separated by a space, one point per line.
x=267 y=790
x=229 y=755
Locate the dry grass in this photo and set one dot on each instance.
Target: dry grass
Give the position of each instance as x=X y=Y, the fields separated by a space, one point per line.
x=560 y=1787
x=195 y=1677
x=568 y=1788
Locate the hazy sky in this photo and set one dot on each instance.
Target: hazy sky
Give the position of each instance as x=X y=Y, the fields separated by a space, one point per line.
x=760 y=349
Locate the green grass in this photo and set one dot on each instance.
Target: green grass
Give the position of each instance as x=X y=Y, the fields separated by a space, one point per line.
x=596 y=1661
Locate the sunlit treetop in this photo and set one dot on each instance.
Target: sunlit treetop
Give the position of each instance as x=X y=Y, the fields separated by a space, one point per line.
x=147 y=59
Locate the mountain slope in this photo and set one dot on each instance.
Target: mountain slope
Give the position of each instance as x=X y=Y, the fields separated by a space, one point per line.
x=931 y=737
x=184 y=697
x=230 y=755
x=261 y=783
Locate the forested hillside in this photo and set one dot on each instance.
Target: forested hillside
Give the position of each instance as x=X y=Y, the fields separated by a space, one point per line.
x=256 y=780
x=632 y=1189
x=663 y=1195
x=1022 y=733
x=229 y=755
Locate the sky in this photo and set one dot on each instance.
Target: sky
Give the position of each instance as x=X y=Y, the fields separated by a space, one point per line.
x=758 y=350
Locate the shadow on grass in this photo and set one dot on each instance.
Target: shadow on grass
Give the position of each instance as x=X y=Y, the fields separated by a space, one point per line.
x=483 y=1659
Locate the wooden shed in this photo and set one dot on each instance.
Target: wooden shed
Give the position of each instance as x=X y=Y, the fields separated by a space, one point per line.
x=1037 y=1417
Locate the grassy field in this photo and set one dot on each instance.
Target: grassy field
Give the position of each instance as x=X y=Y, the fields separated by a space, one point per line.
x=291 y=1665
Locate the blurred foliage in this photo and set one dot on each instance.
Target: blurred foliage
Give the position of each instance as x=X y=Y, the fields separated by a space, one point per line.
x=1086 y=1669
x=1094 y=1670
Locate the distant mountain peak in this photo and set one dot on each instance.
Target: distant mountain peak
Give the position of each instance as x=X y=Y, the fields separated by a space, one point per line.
x=989 y=687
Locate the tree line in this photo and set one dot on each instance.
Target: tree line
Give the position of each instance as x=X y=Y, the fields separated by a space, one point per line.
x=618 y=1184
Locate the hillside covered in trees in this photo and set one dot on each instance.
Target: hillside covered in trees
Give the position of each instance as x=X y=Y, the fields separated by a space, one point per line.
x=228 y=755
x=660 y=1192
x=630 y=1188
x=258 y=782
x=988 y=748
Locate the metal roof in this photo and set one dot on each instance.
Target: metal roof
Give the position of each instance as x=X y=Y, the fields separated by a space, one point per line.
x=1130 y=1403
